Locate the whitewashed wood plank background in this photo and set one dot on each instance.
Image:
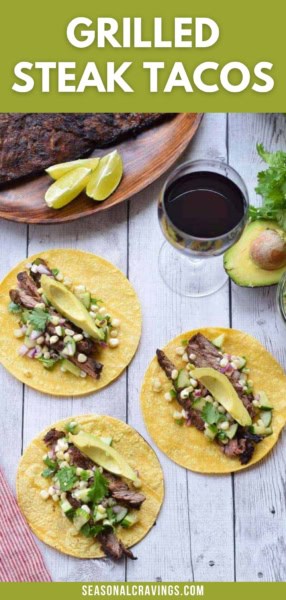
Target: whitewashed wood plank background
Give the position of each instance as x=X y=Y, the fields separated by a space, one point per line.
x=210 y=528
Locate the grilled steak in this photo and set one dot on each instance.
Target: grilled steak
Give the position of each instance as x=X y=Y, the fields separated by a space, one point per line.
x=207 y=355
x=165 y=363
x=120 y=491
x=113 y=547
x=28 y=295
x=53 y=436
x=91 y=366
x=29 y=143
x=78 y=459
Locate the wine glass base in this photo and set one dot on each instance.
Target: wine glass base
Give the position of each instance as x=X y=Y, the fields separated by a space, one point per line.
x=191 y=277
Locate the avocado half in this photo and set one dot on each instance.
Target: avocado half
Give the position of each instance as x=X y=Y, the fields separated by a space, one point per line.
x=238 y=264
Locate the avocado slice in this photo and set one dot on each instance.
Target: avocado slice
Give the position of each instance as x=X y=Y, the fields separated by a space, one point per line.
x=103 y=455
x=68 y=305
x=221 y=389
x=239 y=265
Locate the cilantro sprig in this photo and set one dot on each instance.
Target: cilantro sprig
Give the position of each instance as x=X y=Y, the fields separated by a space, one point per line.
x=66 y=478
x=99 y=489
x=211 y=415
x=272 y=187
x=37 y=317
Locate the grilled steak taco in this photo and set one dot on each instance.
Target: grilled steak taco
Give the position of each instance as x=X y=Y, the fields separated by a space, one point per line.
x=70 y=322
x=214 y=400
x=90 y=486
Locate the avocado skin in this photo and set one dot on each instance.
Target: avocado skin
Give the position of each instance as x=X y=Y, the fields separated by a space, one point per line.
x=238 y=264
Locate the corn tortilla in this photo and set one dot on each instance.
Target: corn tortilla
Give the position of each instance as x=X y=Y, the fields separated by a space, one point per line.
x=45 y=517
x=104 y=281
x=189 y=447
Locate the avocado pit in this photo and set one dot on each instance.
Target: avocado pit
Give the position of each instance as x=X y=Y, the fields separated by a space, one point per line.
x=268 y=250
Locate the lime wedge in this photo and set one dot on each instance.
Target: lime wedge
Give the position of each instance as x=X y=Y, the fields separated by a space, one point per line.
x=68 y=187
x=57 y=171
x=106 y=178
x=103 y=455
x=223 y=392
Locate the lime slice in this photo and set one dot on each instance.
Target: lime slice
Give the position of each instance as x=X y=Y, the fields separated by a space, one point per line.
x=223 y=392
x=68 y=187
x=103 y=455
x=106 y=178
x=57 y=171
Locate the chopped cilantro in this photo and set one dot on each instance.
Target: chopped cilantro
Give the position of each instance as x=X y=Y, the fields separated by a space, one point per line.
x=47 y=472
x=66 y=478
x=184 y=342
x=272 y=187
x=179 y=422
x=51 y=467
x=14 y=308
x=99 y=489
x=55 y=272
x=37 y=317
x=48 y=363
x=91 y=530
x=210 y=414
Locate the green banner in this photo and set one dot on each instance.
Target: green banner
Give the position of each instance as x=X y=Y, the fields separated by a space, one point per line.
x=152 y=56
x=112 y=591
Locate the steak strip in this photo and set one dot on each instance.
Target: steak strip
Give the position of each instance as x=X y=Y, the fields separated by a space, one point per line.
x=194 y=416
x=121 y=492
x=28 y=295
x=113 y=547
x=165 y=363
x=53 y=436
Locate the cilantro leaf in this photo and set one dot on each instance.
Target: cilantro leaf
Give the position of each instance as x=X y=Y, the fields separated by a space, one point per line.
x=48 y=472
x=271 y=185
x=91 y=530
x=51 y=467
x=55 y=272
x=99 y=489
x=38 y=318
x=210 y=414
x=50 y=463
x=48 y=363
x=14 y=308
x=66 y=478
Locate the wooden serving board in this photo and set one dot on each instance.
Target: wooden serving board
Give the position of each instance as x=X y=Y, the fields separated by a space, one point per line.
x=145 y=158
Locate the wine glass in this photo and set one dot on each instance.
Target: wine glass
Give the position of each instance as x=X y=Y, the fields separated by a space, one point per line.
x=202 y=211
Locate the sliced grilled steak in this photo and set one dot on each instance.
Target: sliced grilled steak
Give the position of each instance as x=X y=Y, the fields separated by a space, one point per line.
x=165 y=363
x=78 y=459
x=207 y=355
x=22 y=298
x=241 y=448
x=92 y=367
x=53 y=436
x=27 y=284
x=31 y=142
x=113 y=547
x=86 y=346
x=195 y=419
x=28 y=295
x=129 y=498
x=120 y=491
